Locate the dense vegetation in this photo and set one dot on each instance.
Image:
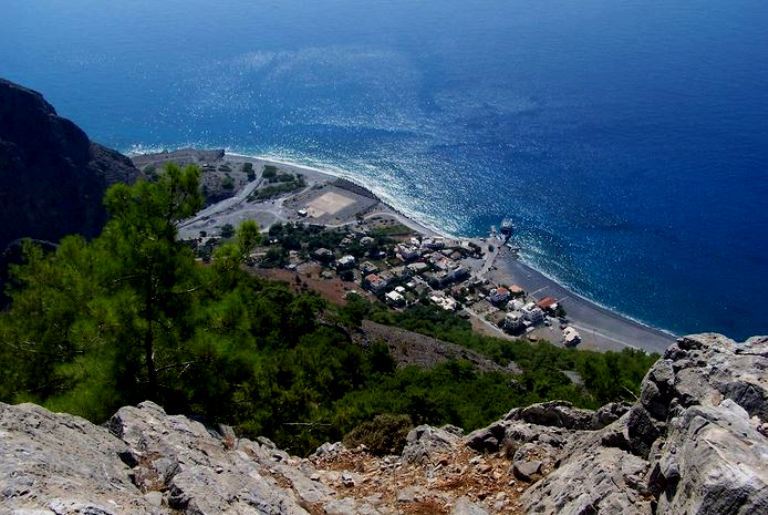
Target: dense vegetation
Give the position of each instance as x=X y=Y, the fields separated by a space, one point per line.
x=131 y=316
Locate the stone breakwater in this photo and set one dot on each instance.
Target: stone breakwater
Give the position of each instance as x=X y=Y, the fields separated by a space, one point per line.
x=696 y=441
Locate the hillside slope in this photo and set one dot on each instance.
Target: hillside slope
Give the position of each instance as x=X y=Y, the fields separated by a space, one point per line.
x=696 y=442
x=52 y=177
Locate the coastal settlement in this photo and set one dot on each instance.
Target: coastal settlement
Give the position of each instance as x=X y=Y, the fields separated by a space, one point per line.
x=339 y=239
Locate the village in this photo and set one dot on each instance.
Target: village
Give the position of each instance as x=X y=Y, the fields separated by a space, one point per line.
x=382 y=259
x=344 y=240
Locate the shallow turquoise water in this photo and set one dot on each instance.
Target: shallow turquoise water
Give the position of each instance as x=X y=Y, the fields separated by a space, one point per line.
x=626 y=138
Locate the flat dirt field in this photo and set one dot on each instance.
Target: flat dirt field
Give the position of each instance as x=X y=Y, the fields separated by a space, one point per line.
x=328 y=203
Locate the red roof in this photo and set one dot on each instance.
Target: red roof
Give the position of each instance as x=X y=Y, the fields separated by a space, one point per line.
x=547 y=302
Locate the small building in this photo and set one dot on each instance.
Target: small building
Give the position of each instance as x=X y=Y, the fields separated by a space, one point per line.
x=443 y=263
x=345 y=262
x=571 y=337
x=395 y=298
x=323 y=254
x=516 y=290
x=547 y=304
x=302 y=213
x=438 y=280
x=368 y=268
x=498 y=295
x=375 y=283
x=400 y=272
x=514 y=322
x=458 y=274
x=533 y=313
x=446 y=303
x=367 y=241
x=433 y=243
x=407 y=253
x=418 y=268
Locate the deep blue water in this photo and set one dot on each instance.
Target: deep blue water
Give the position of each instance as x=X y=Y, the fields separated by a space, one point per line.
x=628 y=139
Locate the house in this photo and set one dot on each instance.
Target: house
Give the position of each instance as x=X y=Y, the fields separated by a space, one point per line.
x=516 y=291
x=514 y=322
x=438 y=280
x=368 y=268
x=375 y=283
x=323 y=254
x=407 y=253
x=547 y=304
x=433 y=243
x=400 y=272
x=571 y=337
x=345 y=262
x=446 y=303
x=395 y=298
x=418 y=268
x=367 y=241
x=498 y=295
x=302 y=213
x=458 y=274
x=533 y=313
x=443 y=263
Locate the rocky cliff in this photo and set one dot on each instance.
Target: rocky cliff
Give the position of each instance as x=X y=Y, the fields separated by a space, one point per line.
x=52 y=177
x=695 y=442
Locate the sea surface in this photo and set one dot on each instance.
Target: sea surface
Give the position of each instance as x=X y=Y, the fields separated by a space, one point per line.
x=627 y=139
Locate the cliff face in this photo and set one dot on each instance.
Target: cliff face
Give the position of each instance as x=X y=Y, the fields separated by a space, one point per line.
x=695 y=442
x=52 y=177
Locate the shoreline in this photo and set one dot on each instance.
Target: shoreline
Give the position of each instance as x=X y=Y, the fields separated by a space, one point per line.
x=405 y=218
x=602 y=328
x=524 y=274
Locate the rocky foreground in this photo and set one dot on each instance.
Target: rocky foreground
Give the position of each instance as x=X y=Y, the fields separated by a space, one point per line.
x=695 y=442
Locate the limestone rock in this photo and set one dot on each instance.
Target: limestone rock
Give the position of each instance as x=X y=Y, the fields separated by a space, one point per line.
x=466 y=507
x=714 y=461
x=694 y=443
x=424 y=443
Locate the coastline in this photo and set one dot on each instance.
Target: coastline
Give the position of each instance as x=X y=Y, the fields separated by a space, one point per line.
x=602 y=329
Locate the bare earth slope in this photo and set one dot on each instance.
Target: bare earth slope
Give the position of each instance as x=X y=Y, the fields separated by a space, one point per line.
x=696 y=442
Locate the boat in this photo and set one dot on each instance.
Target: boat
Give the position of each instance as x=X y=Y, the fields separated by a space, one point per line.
x=506 y=227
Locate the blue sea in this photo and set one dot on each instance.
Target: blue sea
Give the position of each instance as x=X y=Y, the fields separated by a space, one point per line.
x=627 y=139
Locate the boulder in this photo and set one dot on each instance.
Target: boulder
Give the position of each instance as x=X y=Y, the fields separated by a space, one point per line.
x=424 y=443
x=526 y=470
x=464 y=506
x=713 y=461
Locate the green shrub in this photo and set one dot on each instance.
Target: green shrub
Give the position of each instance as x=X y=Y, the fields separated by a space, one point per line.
x=270 y=171
x=228 y=183
x=383 y=435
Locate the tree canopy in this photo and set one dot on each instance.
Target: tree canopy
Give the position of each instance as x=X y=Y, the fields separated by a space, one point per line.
x=131 y=315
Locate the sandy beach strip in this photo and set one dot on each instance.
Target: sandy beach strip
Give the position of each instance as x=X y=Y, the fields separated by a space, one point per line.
x=601 y=328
